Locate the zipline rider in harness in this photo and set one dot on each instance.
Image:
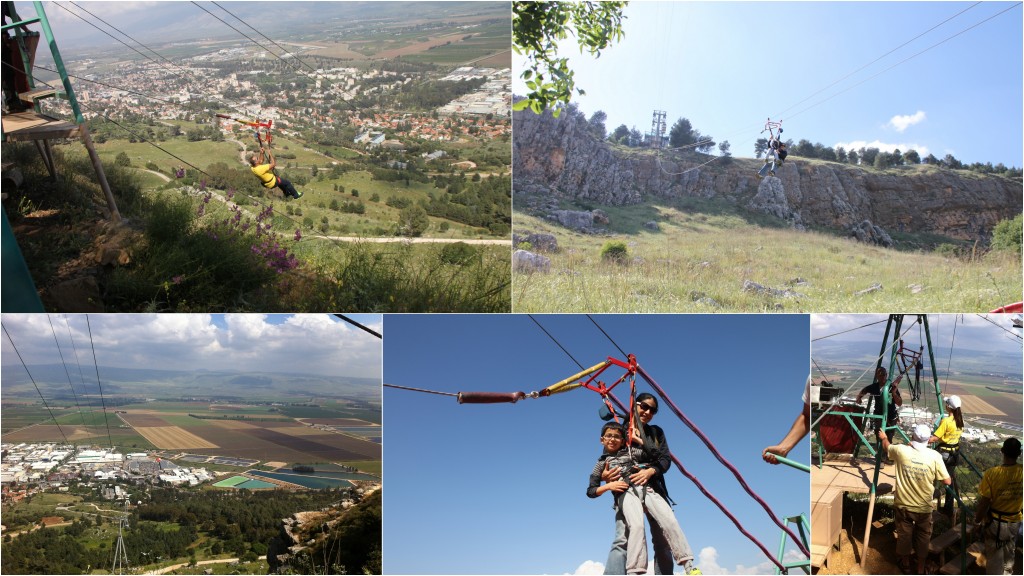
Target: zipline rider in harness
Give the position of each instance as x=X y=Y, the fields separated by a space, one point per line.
x=999 y=509
x=265 y=172
x=947 y=435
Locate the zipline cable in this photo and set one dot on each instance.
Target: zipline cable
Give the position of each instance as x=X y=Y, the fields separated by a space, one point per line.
x=780 y=115
x=845 y=331
x=145 y=139
x=47 y=406
x=66 y=371
x=357 y=324
x=553 y=339
x=74 y=348
x=870 y=368
x=905 y=60
x=707 y=442
x=103 y=402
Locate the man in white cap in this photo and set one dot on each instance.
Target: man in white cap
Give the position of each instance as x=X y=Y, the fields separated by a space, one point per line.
x=917 y=469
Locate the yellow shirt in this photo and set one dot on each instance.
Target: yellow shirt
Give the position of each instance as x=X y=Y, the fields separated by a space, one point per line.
x=916 y=473
x=1002 y=486
x=947 y=431
x=266 y=175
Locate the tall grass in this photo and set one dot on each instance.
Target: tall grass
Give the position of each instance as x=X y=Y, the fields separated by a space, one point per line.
x=191 y=254
x=699 y=262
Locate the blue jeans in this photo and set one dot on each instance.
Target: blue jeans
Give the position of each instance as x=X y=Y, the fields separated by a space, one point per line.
x=287 y=187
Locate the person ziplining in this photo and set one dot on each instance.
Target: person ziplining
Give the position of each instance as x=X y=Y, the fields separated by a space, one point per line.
x=776 y=153
x=265 y=172
x=258 y=162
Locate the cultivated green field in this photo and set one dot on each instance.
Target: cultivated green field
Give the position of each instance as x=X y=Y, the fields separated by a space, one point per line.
x=698 y=262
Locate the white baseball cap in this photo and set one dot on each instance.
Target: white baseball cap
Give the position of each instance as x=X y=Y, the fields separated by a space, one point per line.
x=922 y=433
x=953 y=401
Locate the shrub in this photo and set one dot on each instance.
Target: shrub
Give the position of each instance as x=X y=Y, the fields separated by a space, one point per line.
x=1007 y=234
x=459 y=254
x=614 y=250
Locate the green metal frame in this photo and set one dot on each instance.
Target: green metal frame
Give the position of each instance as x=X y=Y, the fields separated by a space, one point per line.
x=20 y=294
x=803 y=529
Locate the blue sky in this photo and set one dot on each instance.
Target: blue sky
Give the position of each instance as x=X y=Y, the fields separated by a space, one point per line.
x=728 y=66
x=974 y=337
x=501 y=488
x=301 y=343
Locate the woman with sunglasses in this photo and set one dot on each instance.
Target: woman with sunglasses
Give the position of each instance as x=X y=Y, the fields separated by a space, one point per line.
x=649 y=482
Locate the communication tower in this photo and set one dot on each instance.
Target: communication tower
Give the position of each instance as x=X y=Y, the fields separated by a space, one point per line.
x=656 y=137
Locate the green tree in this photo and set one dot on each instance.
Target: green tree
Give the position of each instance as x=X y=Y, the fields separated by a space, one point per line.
x=681 y=134
x=1007 y=234
x=122 y=159
x=852 y=157
x=596 y=122
x=620 y=134
x=413 y=221
x=537 y=28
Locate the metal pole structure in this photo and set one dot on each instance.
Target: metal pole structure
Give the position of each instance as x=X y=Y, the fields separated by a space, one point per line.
x=115 y=215
x=898 y=321
x=58 y=61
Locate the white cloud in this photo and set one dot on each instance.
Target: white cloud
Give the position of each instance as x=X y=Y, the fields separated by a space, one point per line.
x=311 y=344
x=707 y=561
x=901 y=123
x=884 y=146
x=590 y=568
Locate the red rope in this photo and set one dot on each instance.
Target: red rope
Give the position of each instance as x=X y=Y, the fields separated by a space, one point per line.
x=721 y=507
x=721 y=459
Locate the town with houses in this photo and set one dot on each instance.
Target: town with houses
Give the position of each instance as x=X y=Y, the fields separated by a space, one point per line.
x=28 y=468
x=323 y=101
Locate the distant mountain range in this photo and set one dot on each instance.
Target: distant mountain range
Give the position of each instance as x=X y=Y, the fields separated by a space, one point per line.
x=965 y=358
x=184 y=22
x=52 y=380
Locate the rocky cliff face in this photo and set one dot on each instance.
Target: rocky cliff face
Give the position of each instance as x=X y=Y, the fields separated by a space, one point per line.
x=558 y=157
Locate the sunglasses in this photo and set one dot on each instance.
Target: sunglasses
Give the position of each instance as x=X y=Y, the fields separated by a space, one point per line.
x=608 y=437
x=648 y=407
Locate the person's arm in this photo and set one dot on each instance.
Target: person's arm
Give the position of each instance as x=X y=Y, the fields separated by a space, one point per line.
x=796 y=433
x=896 y=396
x=860 y=395
x=661 y=459
x=885 y=440
x=273 y=163
x=601 y=471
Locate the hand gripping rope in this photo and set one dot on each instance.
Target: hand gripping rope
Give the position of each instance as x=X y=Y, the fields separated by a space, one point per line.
x=632 y=368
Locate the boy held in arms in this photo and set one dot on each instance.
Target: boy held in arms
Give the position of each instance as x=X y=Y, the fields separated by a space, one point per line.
x=616 y=456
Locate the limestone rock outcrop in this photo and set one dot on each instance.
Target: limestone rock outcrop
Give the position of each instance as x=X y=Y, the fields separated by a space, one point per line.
x=559 y=158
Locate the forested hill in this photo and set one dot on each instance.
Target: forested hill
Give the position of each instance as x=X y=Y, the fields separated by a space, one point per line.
x=561 y=158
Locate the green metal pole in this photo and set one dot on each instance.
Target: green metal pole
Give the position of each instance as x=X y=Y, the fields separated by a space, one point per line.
x=931 y=358
x=793 y=464
x=58 y=61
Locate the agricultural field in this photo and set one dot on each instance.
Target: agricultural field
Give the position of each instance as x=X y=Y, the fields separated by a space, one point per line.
x=287 y=441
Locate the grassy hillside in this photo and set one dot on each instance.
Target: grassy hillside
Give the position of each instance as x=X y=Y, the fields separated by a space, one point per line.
x=703 y=253
x=182 y=250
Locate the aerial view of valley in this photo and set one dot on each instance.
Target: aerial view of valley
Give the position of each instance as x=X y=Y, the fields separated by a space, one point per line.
x=262 y=430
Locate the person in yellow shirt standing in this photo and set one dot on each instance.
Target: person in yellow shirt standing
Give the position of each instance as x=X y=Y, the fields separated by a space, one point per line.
x=1000 y=500
x=917 y=469
x=265 y=172
x=948 y=437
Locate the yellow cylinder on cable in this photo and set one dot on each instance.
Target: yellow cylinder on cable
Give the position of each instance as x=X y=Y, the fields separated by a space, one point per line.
x=570 y=382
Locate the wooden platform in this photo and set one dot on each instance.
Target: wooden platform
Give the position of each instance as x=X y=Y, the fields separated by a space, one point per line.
x=31 y=125
x=856 y=476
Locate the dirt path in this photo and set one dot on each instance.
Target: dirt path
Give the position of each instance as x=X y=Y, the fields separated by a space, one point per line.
x=165 y=177
x=200 y=563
